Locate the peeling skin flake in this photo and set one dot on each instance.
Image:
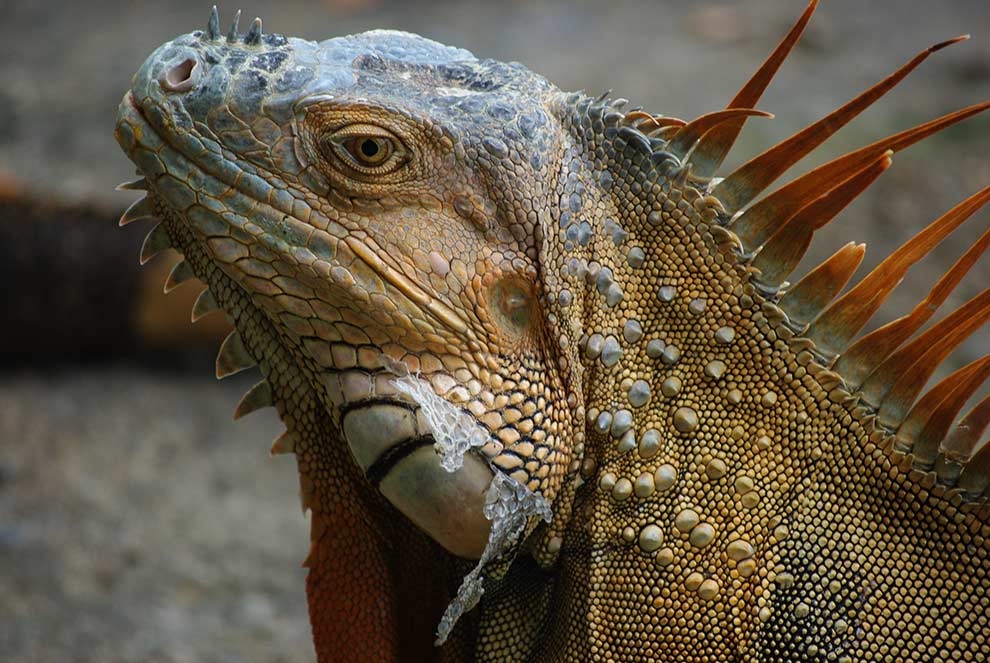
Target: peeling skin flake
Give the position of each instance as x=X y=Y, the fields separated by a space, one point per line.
x=508 y=503
x=455 y=432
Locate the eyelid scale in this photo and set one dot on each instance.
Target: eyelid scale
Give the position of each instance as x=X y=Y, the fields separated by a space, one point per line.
x=341 y=137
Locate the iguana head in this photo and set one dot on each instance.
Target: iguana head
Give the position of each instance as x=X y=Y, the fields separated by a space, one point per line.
x=383 y=199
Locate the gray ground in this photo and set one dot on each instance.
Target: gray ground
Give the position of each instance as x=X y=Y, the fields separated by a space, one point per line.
x=137 y=523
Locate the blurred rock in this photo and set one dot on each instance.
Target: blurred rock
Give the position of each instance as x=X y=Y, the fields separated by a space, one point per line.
x=73 y=287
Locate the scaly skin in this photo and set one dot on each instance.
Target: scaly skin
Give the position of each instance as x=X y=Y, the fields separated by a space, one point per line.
x=558 y=279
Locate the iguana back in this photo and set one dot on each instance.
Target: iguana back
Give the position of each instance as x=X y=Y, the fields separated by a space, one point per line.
x=542 y=370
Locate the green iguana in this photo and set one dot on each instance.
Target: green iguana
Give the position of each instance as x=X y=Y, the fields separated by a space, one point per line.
x=543 y=374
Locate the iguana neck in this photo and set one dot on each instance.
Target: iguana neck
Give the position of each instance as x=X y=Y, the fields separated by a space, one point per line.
x=691 y=400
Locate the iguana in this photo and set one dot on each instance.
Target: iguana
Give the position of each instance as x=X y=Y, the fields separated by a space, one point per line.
x=542 y=371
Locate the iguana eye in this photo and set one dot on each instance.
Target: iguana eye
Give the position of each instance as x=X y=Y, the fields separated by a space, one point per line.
x=368 y=149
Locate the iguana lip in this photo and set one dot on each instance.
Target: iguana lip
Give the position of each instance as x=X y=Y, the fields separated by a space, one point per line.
x=145 y=142
x=129 y=98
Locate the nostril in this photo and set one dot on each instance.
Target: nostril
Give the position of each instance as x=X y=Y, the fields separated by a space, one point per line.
x=179 y=77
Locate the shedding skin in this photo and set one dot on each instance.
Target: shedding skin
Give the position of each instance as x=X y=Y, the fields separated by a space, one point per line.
x=542 y=404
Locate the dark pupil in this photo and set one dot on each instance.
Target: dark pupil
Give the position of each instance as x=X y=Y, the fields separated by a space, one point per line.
x=369 y=148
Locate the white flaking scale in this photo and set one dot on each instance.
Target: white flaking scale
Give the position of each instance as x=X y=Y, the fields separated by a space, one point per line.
x=455 y=432
x=509 y=505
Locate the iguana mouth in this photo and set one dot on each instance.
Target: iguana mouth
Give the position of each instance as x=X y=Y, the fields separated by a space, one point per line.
x=237 y=203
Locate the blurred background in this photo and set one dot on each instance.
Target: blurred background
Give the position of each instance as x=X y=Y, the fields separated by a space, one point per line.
x=137 y=522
